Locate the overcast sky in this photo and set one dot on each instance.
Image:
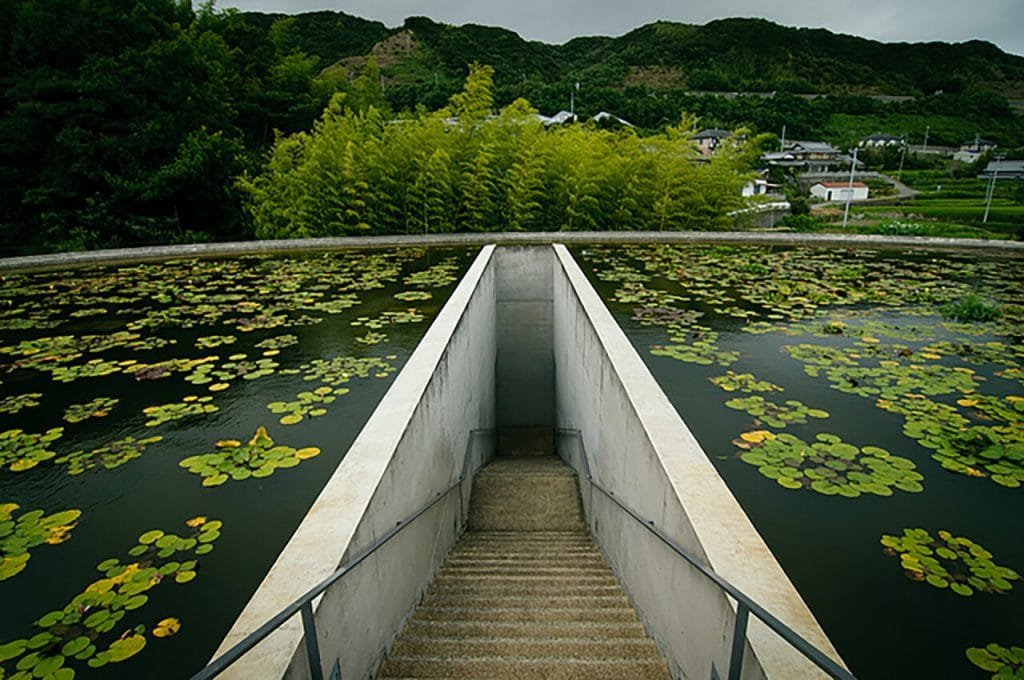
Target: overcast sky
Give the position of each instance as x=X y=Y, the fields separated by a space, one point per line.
x=556 y=21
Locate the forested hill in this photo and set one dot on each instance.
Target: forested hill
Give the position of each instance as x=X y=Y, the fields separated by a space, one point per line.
x=729 y=54
x=124 y=122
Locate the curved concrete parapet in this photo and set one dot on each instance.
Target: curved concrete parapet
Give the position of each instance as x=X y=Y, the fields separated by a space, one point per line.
x=640 y=448
x=309 y=245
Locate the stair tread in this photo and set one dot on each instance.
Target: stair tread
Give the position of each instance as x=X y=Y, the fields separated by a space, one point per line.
x=520 y=667
x=525 y=592
x=547 y=629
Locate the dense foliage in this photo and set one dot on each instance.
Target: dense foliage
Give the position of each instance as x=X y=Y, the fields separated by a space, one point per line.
x=461 y=169
x=126 y=122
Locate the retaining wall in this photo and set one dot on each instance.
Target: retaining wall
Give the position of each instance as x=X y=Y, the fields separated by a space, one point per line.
x=640 y=449
x=410 y=449
x=319 y=245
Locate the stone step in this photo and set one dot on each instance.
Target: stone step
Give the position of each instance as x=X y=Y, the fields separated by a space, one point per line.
x=590 y=630
x=442 y=599
x=513 y=668
x=525 y=569
x=534 y=465
x=526 y=549
x=532 y=589
x=525 y=593
x=505 y=499
x=508 y=612
x=536 y=648
x=528 y=560
x=517 y=583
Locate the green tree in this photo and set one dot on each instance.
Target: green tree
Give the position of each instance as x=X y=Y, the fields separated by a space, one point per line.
x=431 y=195
x=479 y=192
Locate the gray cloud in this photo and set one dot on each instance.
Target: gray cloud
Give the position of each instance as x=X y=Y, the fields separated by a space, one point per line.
x=997 y=21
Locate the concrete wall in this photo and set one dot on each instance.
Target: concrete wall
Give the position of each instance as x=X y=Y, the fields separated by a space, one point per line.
x=320 y=245
x=411 y=448
x=639 y=448
x=525 y=367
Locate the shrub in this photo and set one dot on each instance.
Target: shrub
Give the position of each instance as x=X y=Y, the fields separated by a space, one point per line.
x=970 y=308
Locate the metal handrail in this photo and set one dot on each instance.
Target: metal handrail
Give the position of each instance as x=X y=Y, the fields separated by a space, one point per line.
x=745 y=605
x=304 y=604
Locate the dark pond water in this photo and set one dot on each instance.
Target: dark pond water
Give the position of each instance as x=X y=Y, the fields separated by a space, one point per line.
x=848 y=407
x=112 y=342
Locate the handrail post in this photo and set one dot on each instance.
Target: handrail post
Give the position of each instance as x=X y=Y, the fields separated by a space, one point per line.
x=312 y=645
x=739 y=640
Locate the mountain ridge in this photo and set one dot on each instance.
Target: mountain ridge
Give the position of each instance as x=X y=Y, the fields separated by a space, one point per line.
x=732 y=54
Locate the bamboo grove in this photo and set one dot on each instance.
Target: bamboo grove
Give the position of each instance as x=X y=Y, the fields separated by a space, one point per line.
x=465 y=169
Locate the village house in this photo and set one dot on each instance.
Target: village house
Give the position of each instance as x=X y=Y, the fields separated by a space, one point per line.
x=709 y=140
x=840 y=191
x=971 y=151
x=1003 y=170
x=809 y=157
x=880 y=140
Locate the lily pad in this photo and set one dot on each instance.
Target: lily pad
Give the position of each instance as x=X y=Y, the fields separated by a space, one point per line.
x=947 y=560
x=744 y=382
x=20 y=451
x=306 y=404
x=775 y=414
x=97 y=408
x=1006 y=663
x=108 y=457
x=20 y=402
x=19 y=535
x=77 y=633
x=189 y=406
x=259 y=458
x=828 y=465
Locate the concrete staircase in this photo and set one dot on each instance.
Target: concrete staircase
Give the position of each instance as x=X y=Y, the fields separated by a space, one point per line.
x=525 y=592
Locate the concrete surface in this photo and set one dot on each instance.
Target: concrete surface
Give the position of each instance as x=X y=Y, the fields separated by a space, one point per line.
x=410 y=449
x=525 y=592
x=640 y=448
x=590 y=379
x=235 y=249
x=525 y=367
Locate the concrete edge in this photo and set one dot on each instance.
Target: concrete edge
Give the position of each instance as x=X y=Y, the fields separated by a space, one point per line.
x=731 y=543
x=238 y=248
x=334 y=519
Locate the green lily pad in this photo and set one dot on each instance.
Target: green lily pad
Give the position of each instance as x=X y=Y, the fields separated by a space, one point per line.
x=20 y=451
x=828 y=466
x=258 y=458
x=14 y=404
x=307 y=404
x=189 y=406
x=949 y=561
x=19 y=535
x=97 y=408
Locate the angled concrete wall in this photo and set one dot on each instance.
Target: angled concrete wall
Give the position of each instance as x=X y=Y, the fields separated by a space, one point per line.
x=525 y=346
x=526 y=365
x=640 y=448
x=410 y=449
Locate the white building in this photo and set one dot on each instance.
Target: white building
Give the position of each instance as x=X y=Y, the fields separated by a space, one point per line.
x=760 y=187
x=840 y=191
x=880 y=140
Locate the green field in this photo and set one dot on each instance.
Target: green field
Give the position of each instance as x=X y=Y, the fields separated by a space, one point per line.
x=947 y=205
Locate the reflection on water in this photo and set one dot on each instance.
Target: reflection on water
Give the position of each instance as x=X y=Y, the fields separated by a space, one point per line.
x=257 y=373
x=846 y=397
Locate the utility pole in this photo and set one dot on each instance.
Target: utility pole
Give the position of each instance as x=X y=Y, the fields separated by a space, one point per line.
x=992 y=186
x=782 y=142
x=849 y=189
x=903 y=154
